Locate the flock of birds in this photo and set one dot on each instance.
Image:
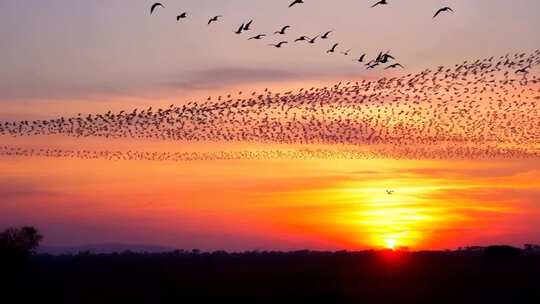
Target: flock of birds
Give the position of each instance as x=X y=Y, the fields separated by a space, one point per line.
x=486 y=108
x=381 y=58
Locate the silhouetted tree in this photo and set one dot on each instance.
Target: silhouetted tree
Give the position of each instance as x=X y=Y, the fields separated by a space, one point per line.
x=501 y=252
x=17 y=244
x=532 y=248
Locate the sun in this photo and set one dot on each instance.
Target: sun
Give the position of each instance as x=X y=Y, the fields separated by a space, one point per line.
x=391 y=244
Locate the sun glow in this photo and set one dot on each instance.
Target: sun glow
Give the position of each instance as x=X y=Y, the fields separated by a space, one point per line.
x=395 y=220
x=391 y=244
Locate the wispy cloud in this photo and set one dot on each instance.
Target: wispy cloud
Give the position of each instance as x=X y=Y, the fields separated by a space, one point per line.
x=223 y=77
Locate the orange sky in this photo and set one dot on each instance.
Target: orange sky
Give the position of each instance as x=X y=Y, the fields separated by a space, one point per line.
x=277 y=204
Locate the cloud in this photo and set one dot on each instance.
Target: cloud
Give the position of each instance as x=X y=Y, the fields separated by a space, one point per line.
x=222 y=77
x=14 y=191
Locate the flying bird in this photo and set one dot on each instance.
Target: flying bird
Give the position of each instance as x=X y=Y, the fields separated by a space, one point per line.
x=282 y=31
x=389 y=192
x=279 y=45
x=444 y=9
x=295 y=2
x=154 y=6
x=361 y=59
x=372 y=65
x=240 y=29
x=333 y=49
x=181 y=16
x=302 y=38
x=385 y=57
x=382 y=2
x=325 y=35
x=393 y=66
x=524 y=70
x=214 y=19
x=312 y=41
x=346 y=53
x=258 y=37
x=247 y=26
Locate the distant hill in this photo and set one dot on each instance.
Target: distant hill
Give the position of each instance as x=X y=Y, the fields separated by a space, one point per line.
x=104 y=249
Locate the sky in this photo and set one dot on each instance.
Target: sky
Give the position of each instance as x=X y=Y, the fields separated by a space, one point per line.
x=63 y=57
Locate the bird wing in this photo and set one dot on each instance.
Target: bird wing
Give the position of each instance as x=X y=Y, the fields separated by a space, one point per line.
x=154 y=6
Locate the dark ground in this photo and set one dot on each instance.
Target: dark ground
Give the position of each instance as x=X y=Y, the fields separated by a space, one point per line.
x=297 y=277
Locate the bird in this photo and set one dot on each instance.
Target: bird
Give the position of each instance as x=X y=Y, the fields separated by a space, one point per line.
x=247 y=26
x=333 y=49
x=181 y=16
x=372 y=65
x=524 y=70
x=154 y=6
x=325 y=35
x=240 y=29
x=361 y=59
x=258 y=37
x=382 y=2
x=282 y=31
x=393 y=66
x=389 y=192
x=312 y=40
x=279 y=45
x=384 y=57
x=444 y=9
x=302 y=38
x=346 y=53
x=295 y=2
x=214 y=19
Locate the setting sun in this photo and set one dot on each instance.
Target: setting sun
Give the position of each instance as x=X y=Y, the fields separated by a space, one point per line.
x=391 y=244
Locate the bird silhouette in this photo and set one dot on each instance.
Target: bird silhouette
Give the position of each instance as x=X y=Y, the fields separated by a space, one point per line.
x=214 y=19
x=444 y=9
x=346 y=53
x=393 y=66
x=154 y=6
x=372 y=65
x=258 y=37
x=333 y=49
x=325 y=35
x=302 y=38
x=389 y=192
x=295 y=2
x=312 y=40
x=382 y=2
x=524 y=70
x=279 y=45
x=240 y=29
x=282 y=31
x=383 y=57
x=247 y=27
x=181 y=16
x=361 y=58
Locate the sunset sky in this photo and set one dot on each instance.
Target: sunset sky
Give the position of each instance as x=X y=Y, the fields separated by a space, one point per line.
x=63 y=57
